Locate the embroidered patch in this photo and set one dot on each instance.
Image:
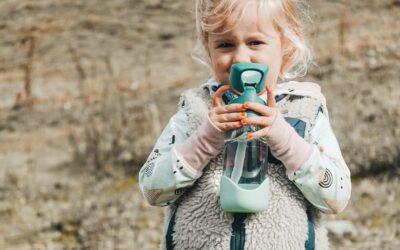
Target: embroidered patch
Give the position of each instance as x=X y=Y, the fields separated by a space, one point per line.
x=148 y=169
x=152 y=194
x=156 y=153
x=327 y=179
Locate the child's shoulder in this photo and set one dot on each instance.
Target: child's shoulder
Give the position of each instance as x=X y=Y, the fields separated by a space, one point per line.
x=307 y=89
x=293 y=86
x=304 y=89
x=197 y=100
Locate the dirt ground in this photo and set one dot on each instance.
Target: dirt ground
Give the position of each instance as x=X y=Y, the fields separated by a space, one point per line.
x=104 y=78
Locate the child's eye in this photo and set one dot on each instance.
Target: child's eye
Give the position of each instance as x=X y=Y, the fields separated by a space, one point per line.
x=255 y=43
x=224 y=45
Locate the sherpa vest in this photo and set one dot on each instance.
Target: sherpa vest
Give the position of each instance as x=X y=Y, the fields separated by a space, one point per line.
x=197 y=221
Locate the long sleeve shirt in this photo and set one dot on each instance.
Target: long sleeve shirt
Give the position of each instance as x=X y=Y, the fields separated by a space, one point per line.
x=178 y=159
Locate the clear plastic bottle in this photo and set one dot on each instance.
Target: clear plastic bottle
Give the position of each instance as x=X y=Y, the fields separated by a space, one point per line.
x=245 y=184
x=245 y=161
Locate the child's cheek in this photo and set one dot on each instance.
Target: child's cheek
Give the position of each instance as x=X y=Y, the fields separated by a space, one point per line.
x=221 y=71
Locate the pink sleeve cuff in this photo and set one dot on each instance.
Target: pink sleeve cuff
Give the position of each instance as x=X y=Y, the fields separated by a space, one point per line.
x=203 y=145
x=287 y=146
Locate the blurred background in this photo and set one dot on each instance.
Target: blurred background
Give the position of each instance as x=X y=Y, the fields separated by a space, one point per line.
x=86 y=87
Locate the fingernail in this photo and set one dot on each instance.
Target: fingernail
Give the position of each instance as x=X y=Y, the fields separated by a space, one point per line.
x=246 y=105
x=250 y=136
x=243 y=121
x=244 y=114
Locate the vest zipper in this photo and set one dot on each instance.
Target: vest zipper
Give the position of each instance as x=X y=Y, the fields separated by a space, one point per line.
x=170 y=230
x=238 y=236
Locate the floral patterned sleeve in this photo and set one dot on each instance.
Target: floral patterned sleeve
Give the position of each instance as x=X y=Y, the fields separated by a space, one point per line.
x=324 y=178
x=164 y=177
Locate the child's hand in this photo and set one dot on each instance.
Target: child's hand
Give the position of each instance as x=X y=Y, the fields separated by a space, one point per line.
x=267 y=115
x=226 y=117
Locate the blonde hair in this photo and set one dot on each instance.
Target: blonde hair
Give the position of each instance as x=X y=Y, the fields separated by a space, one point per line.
x=212 y=18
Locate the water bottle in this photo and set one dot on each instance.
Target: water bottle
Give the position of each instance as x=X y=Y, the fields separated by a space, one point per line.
x=244 y=185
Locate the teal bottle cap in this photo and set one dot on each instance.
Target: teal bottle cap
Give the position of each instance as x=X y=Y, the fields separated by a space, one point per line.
x=248 y=80
x=248 y=74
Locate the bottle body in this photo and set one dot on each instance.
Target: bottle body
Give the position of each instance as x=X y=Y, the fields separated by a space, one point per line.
x=245 y=161
x=244 y=184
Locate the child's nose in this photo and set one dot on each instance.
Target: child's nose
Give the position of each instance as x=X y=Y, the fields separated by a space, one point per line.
x=241 y=55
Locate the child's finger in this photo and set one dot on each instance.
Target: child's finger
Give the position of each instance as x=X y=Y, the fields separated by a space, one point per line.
x=271 y=98
x=230 y=117
x=258 y=133
x=261 y=109
x=262 y=121
x=228 y=125
x=230 y=108
x=217 y=98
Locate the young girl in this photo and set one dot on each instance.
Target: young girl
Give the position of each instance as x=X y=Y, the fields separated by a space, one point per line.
x=306 y=169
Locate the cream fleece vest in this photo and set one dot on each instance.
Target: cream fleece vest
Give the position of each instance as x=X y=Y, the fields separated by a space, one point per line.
x=200 y=223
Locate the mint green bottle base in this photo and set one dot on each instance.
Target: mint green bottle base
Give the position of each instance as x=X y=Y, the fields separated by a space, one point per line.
x=244 y=198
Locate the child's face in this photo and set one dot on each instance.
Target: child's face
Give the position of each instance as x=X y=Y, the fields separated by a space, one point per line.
x=254 y=39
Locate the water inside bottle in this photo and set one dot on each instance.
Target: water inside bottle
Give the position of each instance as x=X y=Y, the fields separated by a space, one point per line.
x=245 y=160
